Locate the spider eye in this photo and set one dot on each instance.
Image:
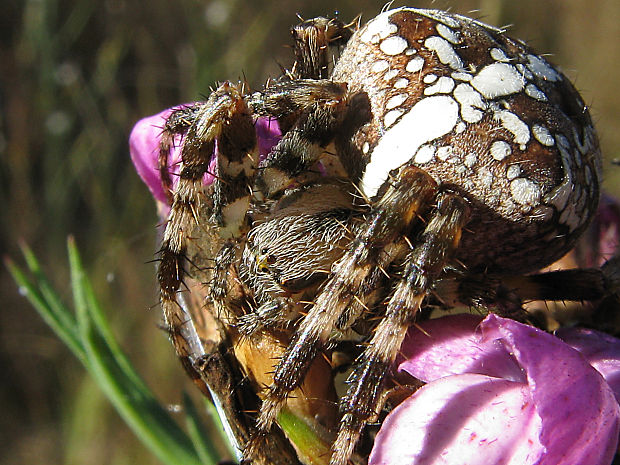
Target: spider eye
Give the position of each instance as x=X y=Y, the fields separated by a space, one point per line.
x=263 y=260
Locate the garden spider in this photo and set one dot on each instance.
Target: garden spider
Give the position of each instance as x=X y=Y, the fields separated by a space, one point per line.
x=437 y=150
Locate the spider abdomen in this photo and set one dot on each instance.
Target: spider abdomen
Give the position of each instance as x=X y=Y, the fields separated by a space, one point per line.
x=486 y=117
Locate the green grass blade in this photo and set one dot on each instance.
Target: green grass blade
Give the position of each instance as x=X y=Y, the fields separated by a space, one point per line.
x=198 y=434
x=310 y=447
x=48 y=304
x=99 y=320
x=134 y=402
x=145 y=416
x=64 y=315
x=88 y=335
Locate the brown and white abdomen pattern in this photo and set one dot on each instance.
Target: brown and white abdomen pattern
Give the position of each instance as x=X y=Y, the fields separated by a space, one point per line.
x=484 y=115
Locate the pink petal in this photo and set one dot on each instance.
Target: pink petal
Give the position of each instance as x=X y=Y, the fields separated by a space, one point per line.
x=600 y=241
x=580 y=416
x=465 y=419
x=144 y=150
x=578 y=413
x=600 y=350
x=449 y=346
x=268 y=135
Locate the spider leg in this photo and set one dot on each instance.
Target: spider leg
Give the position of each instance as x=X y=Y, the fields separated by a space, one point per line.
x=484 y=289
x=513 y=295
x=225 y=288
x=284 y=99
x=408 y=196
x=331 y=116
x=224 y=118
x=423 y=265
x=236 y=163
x=312 y=42
x=177 y=123
x=274 y=313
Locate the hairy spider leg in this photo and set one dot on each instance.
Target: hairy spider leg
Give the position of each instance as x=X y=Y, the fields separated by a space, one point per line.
x=325 y=114
x=408 y=196
x=321 y=107
x=177 y=123
x=212 y=121
x=572 y=285
x=312 y=41
x=436 y=246
x=506 y=294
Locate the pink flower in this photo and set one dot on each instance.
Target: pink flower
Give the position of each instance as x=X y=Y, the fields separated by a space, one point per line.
x=268 y=134
x=144 y=150
x=600 y=242
x=500 y=392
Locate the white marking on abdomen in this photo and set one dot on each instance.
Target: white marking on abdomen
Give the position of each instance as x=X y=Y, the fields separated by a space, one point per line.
x=541 y=68
x=542 y=135
x=379 y=66
x=393 y=45
x=445 y=52
x=497 y=80
x=512 y=123
x=449 y=34
x=395 y=101
x=378 y=29
x=443 y=86
x=535 y=92
x=525 y=191
x=401 y=83
x=430 y=118
x=415 y=64
x=469 y=98
x=500 y=149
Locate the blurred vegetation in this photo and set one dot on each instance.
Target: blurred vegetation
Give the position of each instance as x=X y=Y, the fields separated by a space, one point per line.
x=75 y=75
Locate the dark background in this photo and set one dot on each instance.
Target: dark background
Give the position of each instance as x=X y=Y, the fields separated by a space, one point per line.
x=75 y=75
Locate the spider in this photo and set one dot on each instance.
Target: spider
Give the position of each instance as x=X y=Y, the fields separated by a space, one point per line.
x=438 y=159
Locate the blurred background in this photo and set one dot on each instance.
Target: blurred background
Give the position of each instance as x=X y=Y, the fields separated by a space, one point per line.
x=75 y=76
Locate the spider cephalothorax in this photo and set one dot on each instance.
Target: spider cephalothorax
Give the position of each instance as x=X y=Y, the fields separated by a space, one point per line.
x=438 y=149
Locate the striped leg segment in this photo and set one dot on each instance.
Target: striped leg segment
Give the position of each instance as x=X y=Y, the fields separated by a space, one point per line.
x=312 y=41
x=319 y=107
x=223 y=119
x=177 y=123
x=436 y=246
